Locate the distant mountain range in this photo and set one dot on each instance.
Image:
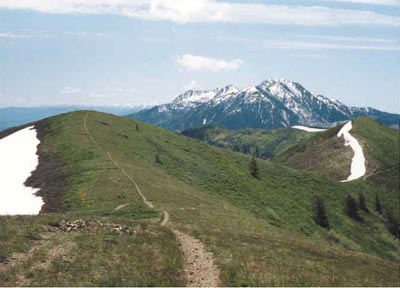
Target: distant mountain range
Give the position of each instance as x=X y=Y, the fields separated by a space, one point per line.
x=13 y=116
x=269 y=105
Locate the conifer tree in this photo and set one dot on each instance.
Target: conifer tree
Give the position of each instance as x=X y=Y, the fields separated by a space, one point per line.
x=361 y=203
x=392 y=223
x=378 y=206
x=352 y=207
x=254 y=168
x=320 y=213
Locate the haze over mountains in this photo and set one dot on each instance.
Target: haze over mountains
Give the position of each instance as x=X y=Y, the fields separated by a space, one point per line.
x=271 y=104
x=13 y=116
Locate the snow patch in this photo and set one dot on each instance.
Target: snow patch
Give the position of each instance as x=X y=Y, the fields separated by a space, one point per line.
x=308 y=129
x=358 y=168
x=17 y=160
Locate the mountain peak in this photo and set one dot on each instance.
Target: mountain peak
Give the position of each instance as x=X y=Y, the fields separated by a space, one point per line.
x=282 y=88
x=198 y=96
x=274 y=103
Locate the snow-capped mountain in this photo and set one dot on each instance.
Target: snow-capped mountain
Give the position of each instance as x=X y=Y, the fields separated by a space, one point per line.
x=269 y=105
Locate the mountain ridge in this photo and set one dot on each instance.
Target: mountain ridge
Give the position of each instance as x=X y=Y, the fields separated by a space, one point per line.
x=269 y=105
x=246 y=222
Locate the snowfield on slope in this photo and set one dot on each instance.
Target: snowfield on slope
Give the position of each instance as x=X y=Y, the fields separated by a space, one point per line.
x=17 y=160
x=358 y=168
x=308 y=129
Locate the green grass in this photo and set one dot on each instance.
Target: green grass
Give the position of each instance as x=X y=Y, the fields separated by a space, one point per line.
x=261 y=231
x=148 y=256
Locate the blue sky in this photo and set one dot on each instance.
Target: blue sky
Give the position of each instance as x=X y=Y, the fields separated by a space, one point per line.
x=125 y=52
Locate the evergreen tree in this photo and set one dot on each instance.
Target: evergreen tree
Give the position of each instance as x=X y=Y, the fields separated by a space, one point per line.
x=137 y=127
x=352 y=207
x=361 y=203
x=392 y=223
x=378 y=206
x=257 y=152
x=254 y=168
x=320 y=213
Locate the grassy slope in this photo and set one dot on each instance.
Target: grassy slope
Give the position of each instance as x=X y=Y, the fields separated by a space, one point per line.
x=382 y=149
x=260 y=231
x=325 y=153
x=260 y=143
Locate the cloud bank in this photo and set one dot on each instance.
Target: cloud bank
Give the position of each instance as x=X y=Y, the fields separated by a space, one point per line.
x=211 y=11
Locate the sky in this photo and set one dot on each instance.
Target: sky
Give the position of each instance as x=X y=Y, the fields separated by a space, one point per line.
x=147 y=52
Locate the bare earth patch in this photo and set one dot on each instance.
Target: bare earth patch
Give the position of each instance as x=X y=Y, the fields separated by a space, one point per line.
x=199 y=269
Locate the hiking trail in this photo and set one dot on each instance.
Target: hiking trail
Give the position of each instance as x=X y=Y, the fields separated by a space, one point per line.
x=199 y=270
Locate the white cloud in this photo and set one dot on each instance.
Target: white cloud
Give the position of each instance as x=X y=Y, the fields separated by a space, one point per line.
x=206 y=11
x=321 y=42
x=68 y=90
x=306 y=45
x=349 y=39
x=9 y=35
x=193 y=85
x=201 y=63
x=26 y=35
x=369 y=2
x=88 y=34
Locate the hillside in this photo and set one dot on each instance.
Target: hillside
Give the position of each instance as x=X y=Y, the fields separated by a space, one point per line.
x=271 y=104
x=130 y=176
x=263 y=144
x=13 y=116
x=326 y=154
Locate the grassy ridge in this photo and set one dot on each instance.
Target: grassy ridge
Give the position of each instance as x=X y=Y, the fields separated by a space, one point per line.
x=381 y=145
x=263 y=144
x=261 y=231
x=326 y=154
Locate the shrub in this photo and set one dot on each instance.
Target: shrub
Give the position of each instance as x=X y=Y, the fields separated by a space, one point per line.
x=157 y=159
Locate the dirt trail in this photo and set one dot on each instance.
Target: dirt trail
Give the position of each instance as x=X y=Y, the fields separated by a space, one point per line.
x=119 y=207
x=147 y=202
x=200 y=270
x=165 y=218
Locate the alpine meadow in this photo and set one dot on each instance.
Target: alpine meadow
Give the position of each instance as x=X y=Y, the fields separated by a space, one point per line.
x=199 y=143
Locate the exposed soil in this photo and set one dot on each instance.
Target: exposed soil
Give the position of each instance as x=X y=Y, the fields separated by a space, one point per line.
x=49 y=176
x=119 y=207
x=165 y=218
x=199 y=269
